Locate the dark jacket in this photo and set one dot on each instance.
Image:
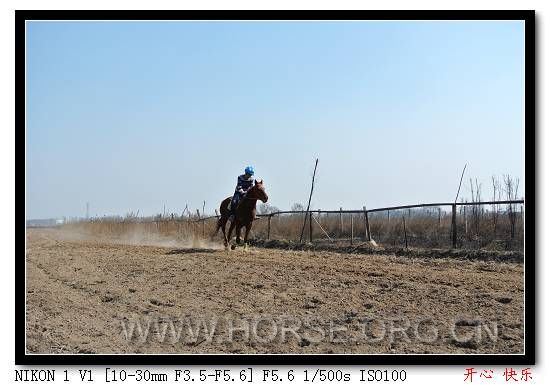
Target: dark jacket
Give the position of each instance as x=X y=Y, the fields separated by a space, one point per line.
x=244 y=184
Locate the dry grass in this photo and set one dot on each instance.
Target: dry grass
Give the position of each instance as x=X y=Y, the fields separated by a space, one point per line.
x=425 y=228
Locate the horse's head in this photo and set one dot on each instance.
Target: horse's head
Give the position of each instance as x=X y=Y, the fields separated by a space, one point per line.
x=258 y=191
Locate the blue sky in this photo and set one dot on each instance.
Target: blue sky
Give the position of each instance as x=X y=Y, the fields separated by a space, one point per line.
x=142 y=115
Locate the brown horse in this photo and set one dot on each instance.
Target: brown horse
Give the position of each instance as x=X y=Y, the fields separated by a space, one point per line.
x=245 y=213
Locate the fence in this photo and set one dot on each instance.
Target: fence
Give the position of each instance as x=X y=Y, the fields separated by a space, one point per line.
x=460 y=224
x=467 y=224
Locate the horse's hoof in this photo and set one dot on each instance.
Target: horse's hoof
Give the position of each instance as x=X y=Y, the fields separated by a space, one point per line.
x=233 y=247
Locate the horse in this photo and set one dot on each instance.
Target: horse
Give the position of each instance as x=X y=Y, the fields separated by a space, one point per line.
x=245 y=213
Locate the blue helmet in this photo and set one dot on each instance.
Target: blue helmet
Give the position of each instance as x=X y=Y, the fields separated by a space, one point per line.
x=249 y=170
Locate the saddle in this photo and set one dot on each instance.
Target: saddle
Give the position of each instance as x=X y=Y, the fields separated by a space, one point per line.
x=233 y=210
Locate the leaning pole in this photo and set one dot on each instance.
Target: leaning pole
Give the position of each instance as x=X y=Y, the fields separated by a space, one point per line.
x=309 y=200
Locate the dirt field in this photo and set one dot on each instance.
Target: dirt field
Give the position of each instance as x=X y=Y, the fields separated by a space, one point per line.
x=102 y=296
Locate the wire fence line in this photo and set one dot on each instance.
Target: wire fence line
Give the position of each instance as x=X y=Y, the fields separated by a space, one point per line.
x=463 y=224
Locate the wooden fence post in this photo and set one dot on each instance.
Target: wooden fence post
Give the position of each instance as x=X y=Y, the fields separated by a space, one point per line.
x=367 y=226
x=310 y=228
x=522 y=218
x=268 y=226
x=351 y=233
x=453 y=226
x=196 y=225
x=405 y=231
x=341 y=223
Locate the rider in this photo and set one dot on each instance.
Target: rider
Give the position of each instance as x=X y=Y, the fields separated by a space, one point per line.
x=244 y=183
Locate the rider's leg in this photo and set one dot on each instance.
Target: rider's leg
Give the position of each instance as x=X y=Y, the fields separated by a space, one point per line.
x=234 y=202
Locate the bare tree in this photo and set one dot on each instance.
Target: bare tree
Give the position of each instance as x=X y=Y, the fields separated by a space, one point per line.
x=476 y=210
x=297 y=207
x=265 y=208
x=496 y=210
x=511 y=190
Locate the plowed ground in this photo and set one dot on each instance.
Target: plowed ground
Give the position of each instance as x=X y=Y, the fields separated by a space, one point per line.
x=99 y=296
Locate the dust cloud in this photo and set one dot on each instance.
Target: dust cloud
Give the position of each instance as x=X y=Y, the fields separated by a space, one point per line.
x=137 y=237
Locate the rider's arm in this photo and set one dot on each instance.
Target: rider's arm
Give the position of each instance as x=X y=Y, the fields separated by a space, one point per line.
x=250 y=185
x=239 y=188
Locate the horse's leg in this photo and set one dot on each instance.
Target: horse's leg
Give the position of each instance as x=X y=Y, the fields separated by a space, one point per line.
x=218 y=226
x=238 y=233
x=248 y=227
x=231 y=227
x=221 y=223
